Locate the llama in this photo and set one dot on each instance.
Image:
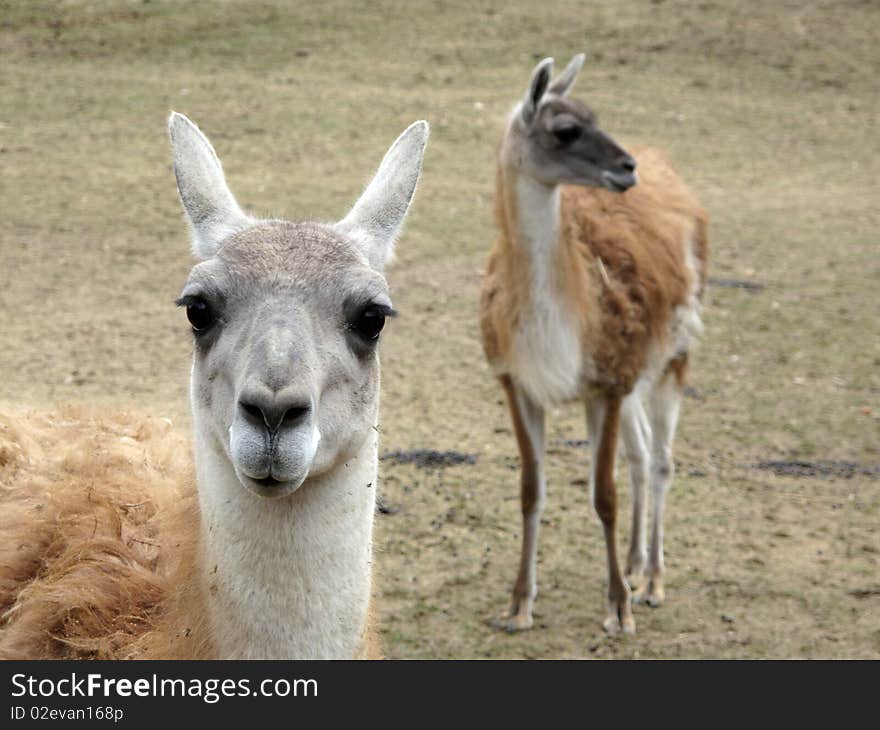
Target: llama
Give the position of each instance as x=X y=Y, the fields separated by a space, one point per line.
x=110 y=547
x=592 y=292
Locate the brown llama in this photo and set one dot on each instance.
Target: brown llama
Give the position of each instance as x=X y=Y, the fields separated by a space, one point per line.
x=592 y=293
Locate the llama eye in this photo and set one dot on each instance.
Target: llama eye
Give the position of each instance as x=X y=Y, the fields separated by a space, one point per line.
x=369 y=322
x=199 y=315
x=567 y=135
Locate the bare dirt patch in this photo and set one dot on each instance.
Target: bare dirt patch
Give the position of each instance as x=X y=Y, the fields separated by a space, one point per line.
x=824 y=469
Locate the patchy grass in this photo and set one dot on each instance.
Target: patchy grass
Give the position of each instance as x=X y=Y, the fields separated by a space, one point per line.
x=770 y=110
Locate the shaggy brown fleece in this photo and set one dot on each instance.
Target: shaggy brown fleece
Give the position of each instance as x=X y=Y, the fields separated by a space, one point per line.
x=91 y=543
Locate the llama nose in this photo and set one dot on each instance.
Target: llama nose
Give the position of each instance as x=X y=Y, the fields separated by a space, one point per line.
x=263 y=407
x=627 y=163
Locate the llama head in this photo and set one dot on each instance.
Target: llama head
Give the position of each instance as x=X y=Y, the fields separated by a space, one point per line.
x=286 y=318
x=555 y=139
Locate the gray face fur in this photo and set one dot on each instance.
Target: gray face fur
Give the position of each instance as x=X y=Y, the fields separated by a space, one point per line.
x=285 y=378
x=557 y=138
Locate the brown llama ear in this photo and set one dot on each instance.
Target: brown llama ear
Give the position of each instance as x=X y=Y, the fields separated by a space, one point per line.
x=562 y=84
x=537 y=88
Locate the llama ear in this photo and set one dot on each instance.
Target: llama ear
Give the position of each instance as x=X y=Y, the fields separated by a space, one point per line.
x=537 y=89
x=211 y=209
x=562 y=84
x=377 y=216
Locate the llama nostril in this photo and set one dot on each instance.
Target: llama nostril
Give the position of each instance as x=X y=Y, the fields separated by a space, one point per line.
x=253 y=411
x=295 y=414
x=628 y=164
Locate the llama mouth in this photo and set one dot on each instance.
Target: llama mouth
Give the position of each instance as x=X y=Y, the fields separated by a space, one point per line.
x=276 y=472
x=269 y=486
x=268 y=482
x=619 y=182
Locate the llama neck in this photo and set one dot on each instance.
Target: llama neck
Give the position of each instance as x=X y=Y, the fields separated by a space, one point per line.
x=548 y=355
x=286 y=578
x=537 y=217
x=532 y=223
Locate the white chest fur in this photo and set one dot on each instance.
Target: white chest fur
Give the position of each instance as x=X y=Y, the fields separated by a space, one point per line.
x=547 y=357
x=288 y=578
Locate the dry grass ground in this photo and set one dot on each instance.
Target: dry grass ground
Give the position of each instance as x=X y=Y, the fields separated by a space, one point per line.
x=769 y=109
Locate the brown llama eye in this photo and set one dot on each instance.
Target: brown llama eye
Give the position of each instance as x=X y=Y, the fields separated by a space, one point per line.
x=567 y=135
x=370 y=322
x=199 y=315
